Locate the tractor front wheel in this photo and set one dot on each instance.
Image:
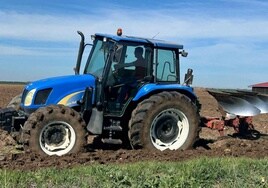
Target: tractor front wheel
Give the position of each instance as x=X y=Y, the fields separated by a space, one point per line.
x=54 y=130
x=168 y=120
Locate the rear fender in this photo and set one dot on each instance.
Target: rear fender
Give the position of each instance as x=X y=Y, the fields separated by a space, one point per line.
x=150 y=89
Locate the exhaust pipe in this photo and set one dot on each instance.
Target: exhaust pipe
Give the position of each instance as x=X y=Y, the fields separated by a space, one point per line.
x=80 y=53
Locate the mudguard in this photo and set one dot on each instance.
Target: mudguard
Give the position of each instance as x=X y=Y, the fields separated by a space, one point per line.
x=149 y=88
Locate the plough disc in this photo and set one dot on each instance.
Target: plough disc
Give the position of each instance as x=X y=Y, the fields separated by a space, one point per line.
x=239 y=103
x=258 y=100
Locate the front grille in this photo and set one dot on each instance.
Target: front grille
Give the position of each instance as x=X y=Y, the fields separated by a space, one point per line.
x=41 y=96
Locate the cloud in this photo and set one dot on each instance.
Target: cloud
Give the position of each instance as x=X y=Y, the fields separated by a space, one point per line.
x=6 y=50
x=35 y=27
x=63 y=27
x=11 y=50
x=224 y=50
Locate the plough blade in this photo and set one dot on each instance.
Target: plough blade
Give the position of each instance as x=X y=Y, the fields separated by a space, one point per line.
x=260 y=101
x=240 y=103
x=264 y=98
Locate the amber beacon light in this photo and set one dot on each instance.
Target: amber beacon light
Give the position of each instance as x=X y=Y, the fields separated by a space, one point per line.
x=119 y=32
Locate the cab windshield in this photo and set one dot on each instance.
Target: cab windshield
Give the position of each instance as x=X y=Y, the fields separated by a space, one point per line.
x=98 y=57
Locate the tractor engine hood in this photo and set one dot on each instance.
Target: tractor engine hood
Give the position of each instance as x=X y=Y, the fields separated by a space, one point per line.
x=66 y=90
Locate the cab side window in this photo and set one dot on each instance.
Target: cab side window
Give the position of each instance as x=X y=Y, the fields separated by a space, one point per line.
x=166 y=65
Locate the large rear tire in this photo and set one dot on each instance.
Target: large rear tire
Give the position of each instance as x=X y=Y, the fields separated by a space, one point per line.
x=168 y=120
x=54 y=130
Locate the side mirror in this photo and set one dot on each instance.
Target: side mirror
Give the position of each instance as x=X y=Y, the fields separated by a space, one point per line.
x=184 y=53
x=188 y=79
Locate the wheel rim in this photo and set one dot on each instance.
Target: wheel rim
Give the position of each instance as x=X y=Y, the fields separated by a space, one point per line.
x=169 y=129
x=57 y=138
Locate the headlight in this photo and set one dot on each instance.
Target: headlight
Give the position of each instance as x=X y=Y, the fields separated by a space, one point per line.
x=29 y=97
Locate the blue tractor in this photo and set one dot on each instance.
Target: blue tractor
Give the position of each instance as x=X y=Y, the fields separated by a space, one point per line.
x=129 y=94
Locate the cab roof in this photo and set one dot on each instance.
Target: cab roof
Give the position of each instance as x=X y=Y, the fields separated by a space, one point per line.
x=155 y=42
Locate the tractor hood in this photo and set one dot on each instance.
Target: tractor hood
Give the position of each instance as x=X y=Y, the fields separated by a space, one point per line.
x=66 y=90
x=70 y=81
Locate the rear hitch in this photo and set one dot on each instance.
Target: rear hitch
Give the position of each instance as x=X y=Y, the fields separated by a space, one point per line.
x=245 y=129
x=243 y=126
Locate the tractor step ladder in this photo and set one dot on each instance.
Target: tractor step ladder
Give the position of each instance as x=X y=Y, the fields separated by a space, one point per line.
x=113 y=128
x=112 y=141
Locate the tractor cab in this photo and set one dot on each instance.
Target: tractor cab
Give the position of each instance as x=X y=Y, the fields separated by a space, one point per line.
x=128 y=69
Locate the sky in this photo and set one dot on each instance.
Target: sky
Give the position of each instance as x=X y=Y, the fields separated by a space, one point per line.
x=227 y=40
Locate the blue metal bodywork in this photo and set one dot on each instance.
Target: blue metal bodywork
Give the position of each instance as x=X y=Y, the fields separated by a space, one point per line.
x=66 y=90
x=154 y=42
x=149 y=88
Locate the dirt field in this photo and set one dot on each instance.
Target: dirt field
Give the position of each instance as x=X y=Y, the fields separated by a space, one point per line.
x=209 y=144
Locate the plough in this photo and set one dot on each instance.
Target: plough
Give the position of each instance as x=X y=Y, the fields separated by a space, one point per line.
x=237 y=108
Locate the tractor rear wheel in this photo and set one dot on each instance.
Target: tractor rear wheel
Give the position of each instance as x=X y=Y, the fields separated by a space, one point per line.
x=168 y=120
x=54 y=130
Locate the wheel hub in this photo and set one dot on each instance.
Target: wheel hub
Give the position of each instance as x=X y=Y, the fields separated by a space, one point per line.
x=166 y=129
x=57 y=138
x=169 y=129
x=54 y=135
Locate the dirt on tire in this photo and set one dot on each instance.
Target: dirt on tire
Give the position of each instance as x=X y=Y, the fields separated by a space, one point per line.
x=54 y=119
x=209 y=145
x=150 y=111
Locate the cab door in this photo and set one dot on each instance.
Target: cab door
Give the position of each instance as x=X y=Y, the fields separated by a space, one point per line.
x=122 y=85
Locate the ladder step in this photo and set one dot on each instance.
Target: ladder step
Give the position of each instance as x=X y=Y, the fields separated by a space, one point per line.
x=111 y=141
x=113 y=128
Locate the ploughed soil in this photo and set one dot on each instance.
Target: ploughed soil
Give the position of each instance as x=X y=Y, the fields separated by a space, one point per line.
x=210 y=144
